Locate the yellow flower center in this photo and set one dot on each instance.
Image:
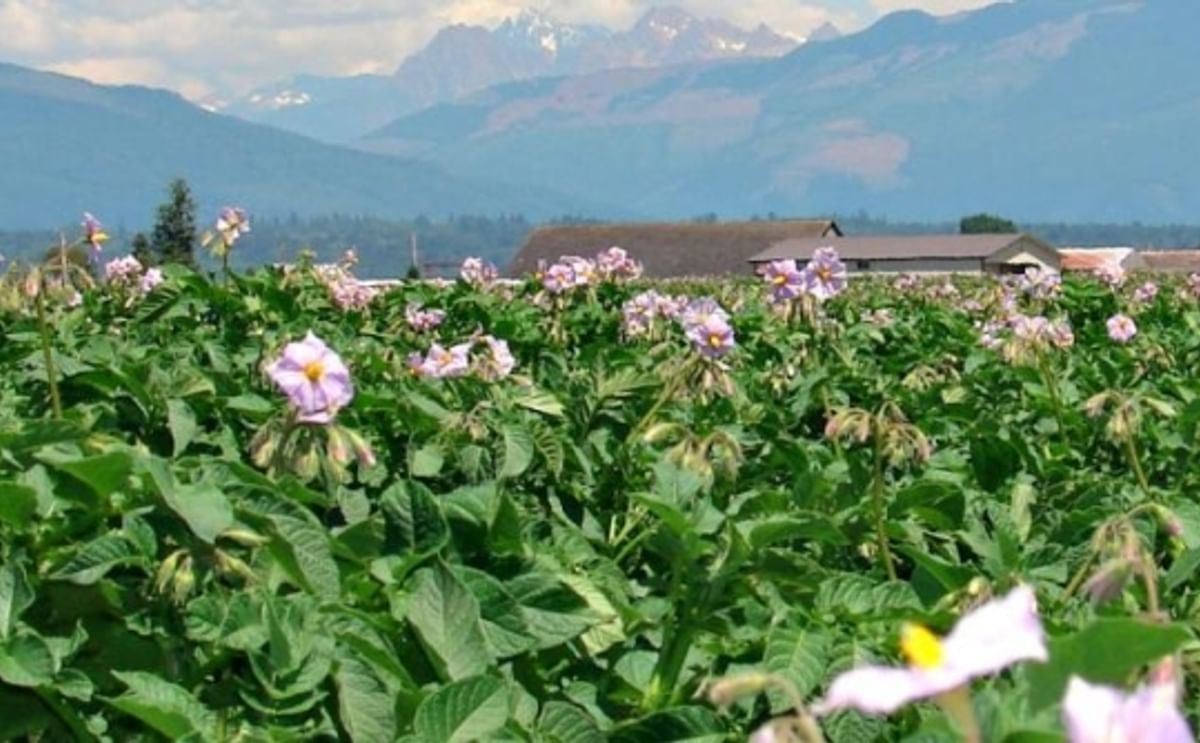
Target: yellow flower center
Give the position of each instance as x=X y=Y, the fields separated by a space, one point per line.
x=314 y=370
x=781 y=279
x=920 y=647
x=715 y=340
x=824 y=273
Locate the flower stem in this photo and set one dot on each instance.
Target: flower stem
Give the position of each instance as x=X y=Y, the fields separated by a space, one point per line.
x=668 y=393
x=877 y=488
x=1135 y=461
x=1052 y=389
x=48 y=352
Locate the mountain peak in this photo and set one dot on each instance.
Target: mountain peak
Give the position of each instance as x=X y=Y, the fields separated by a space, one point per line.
x=825 y=32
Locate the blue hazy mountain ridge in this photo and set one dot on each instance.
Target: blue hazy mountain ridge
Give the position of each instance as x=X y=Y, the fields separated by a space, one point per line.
x=1043 y=109
x=68 y=145
x=463 y=59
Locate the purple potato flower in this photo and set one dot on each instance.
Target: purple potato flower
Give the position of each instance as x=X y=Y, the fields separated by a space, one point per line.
x=786 y=280
x=615 y=263
x=825 y=274
x=639 y=313
x=93 y=233
x=314 y=378
x=1121 y=328
x=121 y=271
x=478 y=272
x=713 y=337
x=558 y=278
x=423 y=320
x=699 y=311
x=447 y=363
x=497 y=362
x=1099 y=714
x=1146 y=293
x=150 y=280
x=232 y=224
x=987 y=640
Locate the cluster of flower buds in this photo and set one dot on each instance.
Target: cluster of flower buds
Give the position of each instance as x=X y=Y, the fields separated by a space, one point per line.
x=423 y=320
x=484 y=356
x=1146 y=293
x=571 y=271
x=128 y=274
x=346 y=291
x=823 y=277
x=640 y=314
x=1041 y=284
x=478 y=272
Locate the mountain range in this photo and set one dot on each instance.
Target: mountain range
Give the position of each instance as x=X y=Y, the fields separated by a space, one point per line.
x=1042 y=109
x=465 y=59
x=68 y=145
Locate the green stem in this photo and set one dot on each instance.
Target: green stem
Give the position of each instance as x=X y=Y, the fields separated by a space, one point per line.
x=877 y=503
x=667 y=395
x=65 y=714
x=1148 y=570
x=1135 y=461
x=225 y=265
x=1055 y=400
x=48 y=351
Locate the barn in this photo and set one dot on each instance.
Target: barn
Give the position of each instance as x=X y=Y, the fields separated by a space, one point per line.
x=671 y=250
x=924 y=254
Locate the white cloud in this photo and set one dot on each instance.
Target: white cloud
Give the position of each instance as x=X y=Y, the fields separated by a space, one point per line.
x=209 y=48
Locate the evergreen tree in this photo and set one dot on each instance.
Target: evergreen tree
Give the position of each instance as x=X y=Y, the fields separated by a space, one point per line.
x=174 y=237
x=142 y=250
x=986 y=224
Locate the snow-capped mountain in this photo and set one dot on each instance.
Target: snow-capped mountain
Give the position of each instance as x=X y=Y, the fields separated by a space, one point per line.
x=463 y=59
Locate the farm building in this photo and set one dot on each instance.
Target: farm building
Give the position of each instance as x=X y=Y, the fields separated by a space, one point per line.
x=1172 y=261
x=671 y=250
x=1090 y=260
x=992 y=254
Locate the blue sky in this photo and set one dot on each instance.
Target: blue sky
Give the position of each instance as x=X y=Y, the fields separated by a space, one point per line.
x=211 y=49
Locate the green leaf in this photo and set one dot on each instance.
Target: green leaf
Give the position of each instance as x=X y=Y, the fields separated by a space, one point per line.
x=518 y=451
x=446 y=617
x=34 y=434
x=18 y=503
x=26 y=660
x=303 y=548
x=542 y=402
x=202 y=506
x=182 y=422
x=680 y=725
x=1106 y=652
x=427 y=461
x=1183 y=569
x=15 y=597
x=807 y=528
x=565 y=723
x=503 y=623
x=366 y=709
x=415 y=518
x=463 y=712
x=165 y=707
x=798 y=655
x=94 y=560
x=103 y=474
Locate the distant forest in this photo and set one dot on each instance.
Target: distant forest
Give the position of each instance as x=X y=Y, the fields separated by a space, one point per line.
x=385 y=247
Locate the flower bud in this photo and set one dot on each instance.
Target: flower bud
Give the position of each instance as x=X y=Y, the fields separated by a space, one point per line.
x=362 y=449
x=1168 y=521
x=245 y=537
x=724 y=692
x=1109 y=581
x=263 y=446
x=338 y=444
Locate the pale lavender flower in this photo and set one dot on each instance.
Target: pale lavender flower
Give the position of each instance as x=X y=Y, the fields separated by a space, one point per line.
x=1121 y=328
x=1030 y=329
x=713 y=337
x=615 y=263
x=672 y=307
x=1146 y=293
x=989 y=334
x=314 y=379
x=415 y=363
x=786 y=280
x=232 y=224
x=423 y=320
x=1113 y=276
x=1040 y=283
x=906 y=282
x=825 y=274
x=585 y=271
x=1060 y=334
x=700 y=311
x=447 y=363
x=350 y=295
x=150 y=280
x=123 y=271
x=639 y=313
x=1193 y=285
x=497 y=362
x=93 y=233
x=987 y=640
x=558 y=278
x=1100 y=714
x=478 y=272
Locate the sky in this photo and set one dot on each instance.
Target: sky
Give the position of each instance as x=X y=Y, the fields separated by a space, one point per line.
x=210 y=50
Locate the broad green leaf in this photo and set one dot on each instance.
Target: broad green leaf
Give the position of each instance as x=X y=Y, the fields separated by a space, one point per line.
x=542 y=402
x=165 y=707
x=856 y=596
x=27 y=435
x=503 y=623
x=203 y=506
x=366 y=708
x=553 y=613
x=1182 y=569
x=798 y=655
x=94 y=560
x=427 y=461
x=26 y=660
x=518 y=451
x=565 y=723
x=463 y=712
x=806 y=528
x=445 y=615
x=16 y=596
x=182 y=422
x=415 y=516
x=1106 y=651
x=303 y=548
x=103 y=474
x=18 y=503
x=680 y=725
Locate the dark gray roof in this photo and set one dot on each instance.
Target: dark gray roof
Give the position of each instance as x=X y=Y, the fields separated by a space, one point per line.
x=670 y=250
x=878 y=247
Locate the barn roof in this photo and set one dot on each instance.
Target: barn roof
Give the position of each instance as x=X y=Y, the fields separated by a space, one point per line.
x=1093 y=259
x=900 y=247
x=1172 y=261
x=669 y=250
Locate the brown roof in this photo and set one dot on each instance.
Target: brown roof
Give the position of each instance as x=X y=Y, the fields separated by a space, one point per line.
x=882 y=247
x=669 y=250
x=1172 y=261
